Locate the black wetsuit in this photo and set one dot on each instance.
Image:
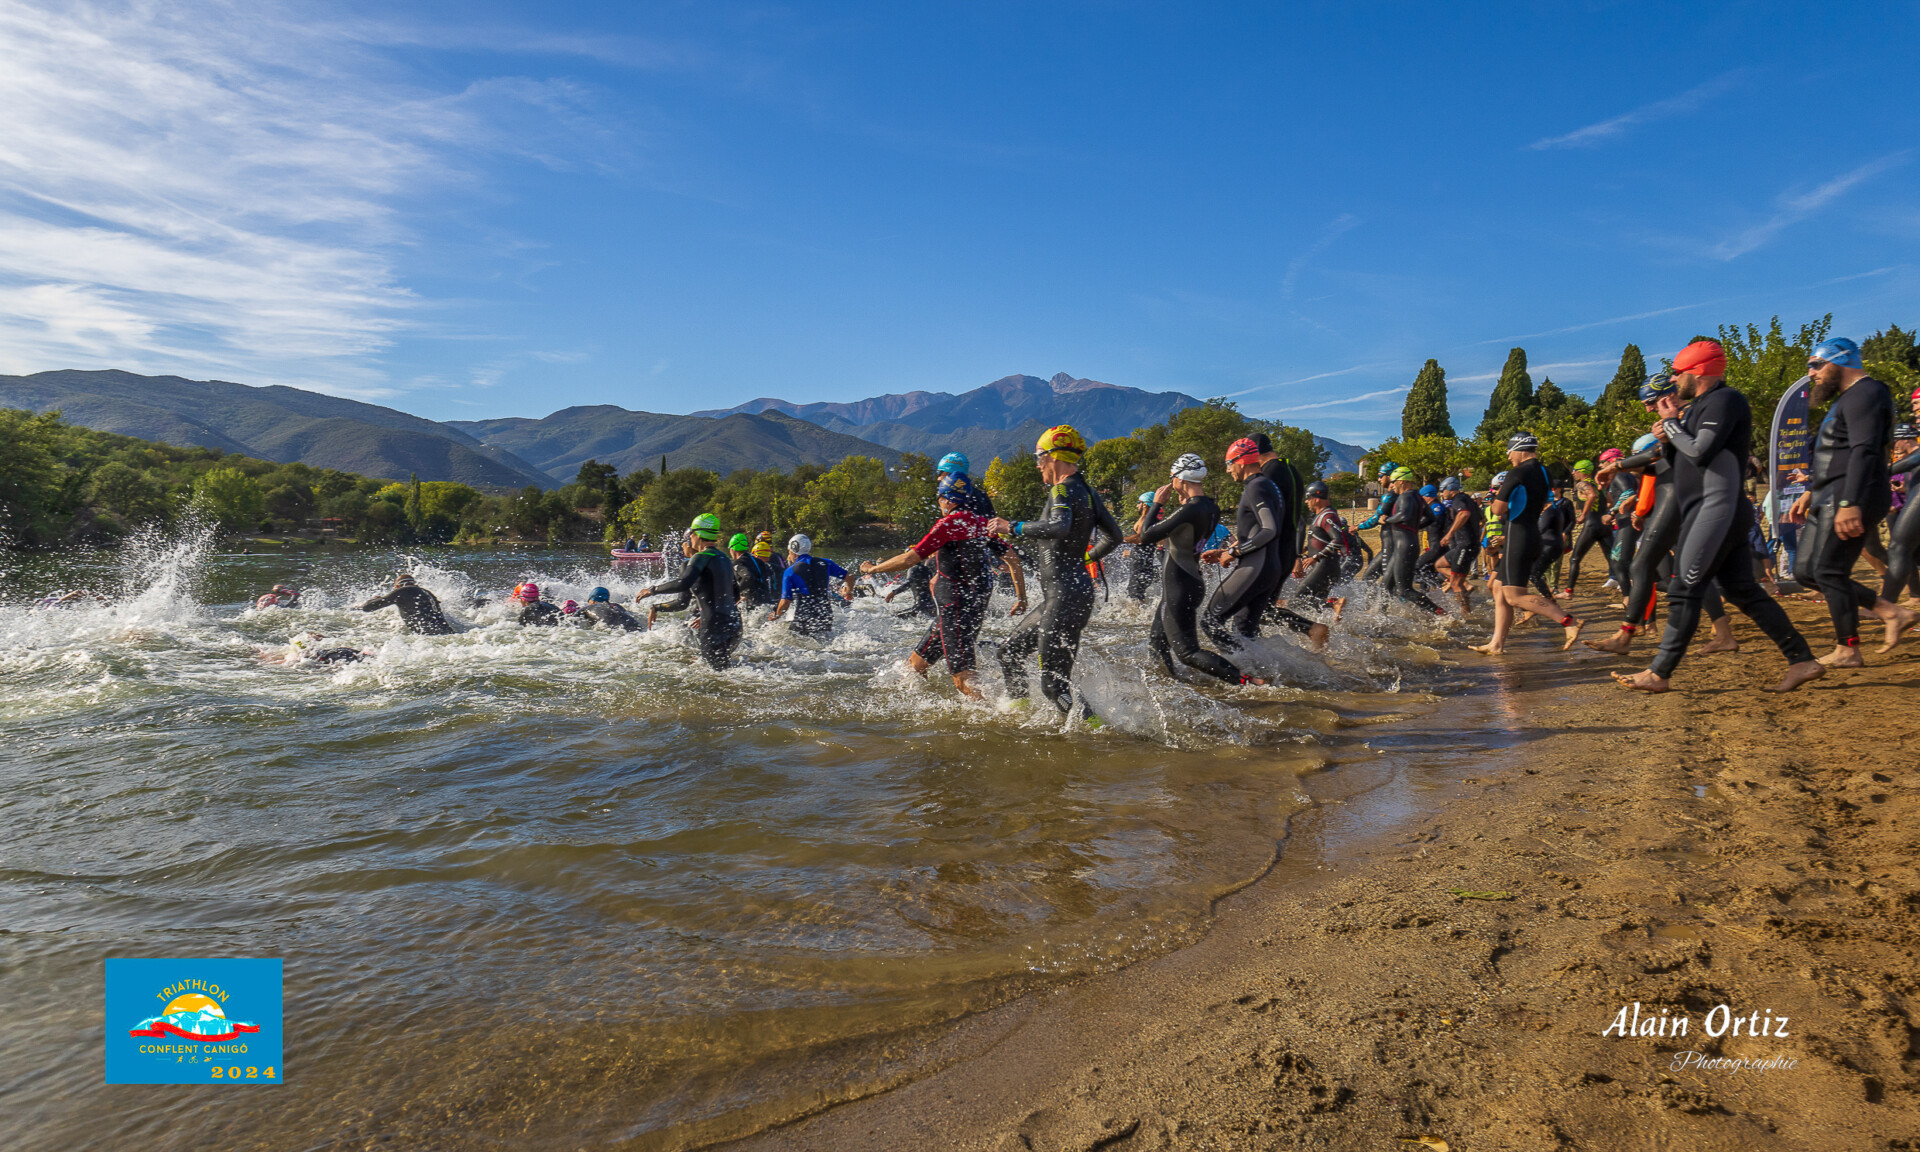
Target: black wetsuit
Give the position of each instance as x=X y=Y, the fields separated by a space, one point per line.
x=1380 y=560
x=919 y=579
x=1849 y=471
x=611 y=616
x=1410 y=516
x=1593 y=530
x=1183 y=586
x=1526 y=495
x=1652 y=563
x=1286 y=479
x=753 y=581
x=1141 y=559
x=964 y=555
x=540 y=613
x=419 y=609
x=1234 y=611
x=1465 y=548
x=1329 y=544
x=1553 y=541
x=1903 y=537
x=707 y=580
x=1711 y=442
x=1066 y=523
x=1626 y=538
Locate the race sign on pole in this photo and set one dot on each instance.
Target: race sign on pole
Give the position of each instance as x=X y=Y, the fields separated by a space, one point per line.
x=1790 y=447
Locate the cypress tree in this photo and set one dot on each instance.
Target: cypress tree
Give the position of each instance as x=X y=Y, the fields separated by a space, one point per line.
x=1425 y=413
x=1511 y=401
x=1623 y=391
x=416 y=515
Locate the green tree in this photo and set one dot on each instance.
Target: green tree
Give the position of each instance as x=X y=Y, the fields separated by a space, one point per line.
x=132 y=494
x=1892 y=346
x=416 y=514
x=1015 y=486
x=34 y=482
x=1425 y=412
x=1623 y=391
x=1512 y=399
x=1299 y=447
x=914 y=505
x=231 y=497
x=671 y=502
x=1111 y=466
x=1765 y=364
x=1343 y=488
x=290 y=502
x=1550 y=402
x=842 y=497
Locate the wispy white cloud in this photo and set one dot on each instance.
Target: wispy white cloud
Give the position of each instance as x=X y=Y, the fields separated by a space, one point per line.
x=1603 y=323
x=1605 y=130
x=1793 y=209
x=1360 y=399
x=1341 y=225
x=217 y=188
x=1302 y=380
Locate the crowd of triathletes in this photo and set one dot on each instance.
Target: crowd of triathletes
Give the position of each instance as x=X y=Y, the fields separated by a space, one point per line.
x=1671 y=513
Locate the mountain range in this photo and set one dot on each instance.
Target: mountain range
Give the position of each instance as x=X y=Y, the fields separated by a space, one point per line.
x=271 y=423
x=284 y=424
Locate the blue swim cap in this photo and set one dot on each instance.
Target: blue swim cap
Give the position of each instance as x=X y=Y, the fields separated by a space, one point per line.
x=1644 y=443
x=1450 y=484
x=955 y=485
x=1429 y=491
x=1387 y=468
x=1659 y=384
x=1838 y=350
x=954 y=462
x=599 y=595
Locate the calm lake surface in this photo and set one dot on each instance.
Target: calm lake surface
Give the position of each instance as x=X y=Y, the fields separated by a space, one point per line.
x=562 y=888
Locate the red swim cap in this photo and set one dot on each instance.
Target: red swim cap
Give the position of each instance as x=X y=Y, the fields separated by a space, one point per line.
x=1702 y=358
x=1242 y=447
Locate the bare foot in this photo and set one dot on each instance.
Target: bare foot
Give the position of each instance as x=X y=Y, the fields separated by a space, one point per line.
x=1798 y=674
x=1642 y=682
x=1620 y=643
x=1719 y=644
x=1897 y=622
x=1843 y=656
x=1572 y=632
x=1317 y=636
x=1486 y=649
x=1339 y=605
x=1523 y=618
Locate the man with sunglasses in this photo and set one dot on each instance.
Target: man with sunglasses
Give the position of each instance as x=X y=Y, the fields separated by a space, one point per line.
x=1848 y=497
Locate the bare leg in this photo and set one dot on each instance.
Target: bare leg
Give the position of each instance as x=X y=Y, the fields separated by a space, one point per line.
x=1502 y=623
x=1897 y=620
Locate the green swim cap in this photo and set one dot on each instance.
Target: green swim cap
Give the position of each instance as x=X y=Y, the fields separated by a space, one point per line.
x=1583 y=466
x=1402 y=474
x=739 y=543
x=706 y=526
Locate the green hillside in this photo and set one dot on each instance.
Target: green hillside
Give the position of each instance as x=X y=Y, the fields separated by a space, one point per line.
x=630 y=440
x=273 y=423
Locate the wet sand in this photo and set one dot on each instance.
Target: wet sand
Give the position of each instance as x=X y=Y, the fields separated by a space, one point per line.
x=1717 y=845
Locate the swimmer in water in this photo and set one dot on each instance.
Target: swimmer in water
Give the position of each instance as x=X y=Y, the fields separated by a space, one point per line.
x=602 y=611
x=805 y=589
x=535 y=612
x=419 y=609
x=309 y=647
x=707 y=581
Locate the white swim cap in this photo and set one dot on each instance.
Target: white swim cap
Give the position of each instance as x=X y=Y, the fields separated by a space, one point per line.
x=800 y=545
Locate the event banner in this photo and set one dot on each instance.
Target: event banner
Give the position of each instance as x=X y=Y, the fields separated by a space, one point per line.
x=1790 y=446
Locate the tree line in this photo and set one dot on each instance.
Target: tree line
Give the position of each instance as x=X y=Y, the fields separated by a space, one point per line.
x=1762 y=364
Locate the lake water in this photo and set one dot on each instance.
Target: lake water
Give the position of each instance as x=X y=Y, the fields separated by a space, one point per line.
x=561 y=888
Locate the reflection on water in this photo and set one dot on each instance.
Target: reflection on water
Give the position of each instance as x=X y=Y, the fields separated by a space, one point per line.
x=565 y=888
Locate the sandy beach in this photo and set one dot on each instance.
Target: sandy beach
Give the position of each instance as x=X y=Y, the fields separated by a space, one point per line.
x=1557 y=851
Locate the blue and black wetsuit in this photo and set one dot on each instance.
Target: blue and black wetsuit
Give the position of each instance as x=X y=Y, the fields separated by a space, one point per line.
x=808 y=584
x=1526 y=494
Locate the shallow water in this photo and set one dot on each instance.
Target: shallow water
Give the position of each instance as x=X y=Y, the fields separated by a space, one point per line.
x=564 y=888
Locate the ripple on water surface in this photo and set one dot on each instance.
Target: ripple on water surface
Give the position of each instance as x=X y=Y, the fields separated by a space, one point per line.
x=559 y=887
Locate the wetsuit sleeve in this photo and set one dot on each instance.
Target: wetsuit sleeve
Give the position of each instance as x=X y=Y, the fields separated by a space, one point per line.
x=945 y=531
x=1188 y=513
x=688 y=577
x=1715 y=432
x=1106 y=526
x=379 y=602
x=1906 y=463
x=792 y=585
x=833 y=570
x=1869 y=428
x=1645 y=504
x=1057 y=517
x=1265 y=534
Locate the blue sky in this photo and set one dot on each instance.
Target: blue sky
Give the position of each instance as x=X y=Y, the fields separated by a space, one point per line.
x=487 y=209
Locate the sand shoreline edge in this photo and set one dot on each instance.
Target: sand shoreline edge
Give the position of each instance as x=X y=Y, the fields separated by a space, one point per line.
x=1714 y=847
